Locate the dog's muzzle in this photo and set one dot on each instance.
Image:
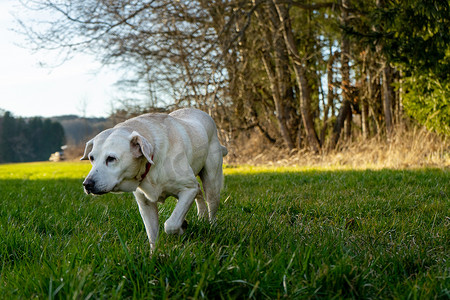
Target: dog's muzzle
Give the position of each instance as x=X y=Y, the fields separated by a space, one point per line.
x=89 y=186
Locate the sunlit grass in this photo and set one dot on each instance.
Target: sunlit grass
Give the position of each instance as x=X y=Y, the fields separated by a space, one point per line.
x=281 y=232
x=44 y=170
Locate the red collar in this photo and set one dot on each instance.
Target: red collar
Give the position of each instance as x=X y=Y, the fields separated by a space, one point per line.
x=147 y=169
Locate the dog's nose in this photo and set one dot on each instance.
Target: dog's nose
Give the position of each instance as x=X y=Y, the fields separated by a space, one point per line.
x=89 y=185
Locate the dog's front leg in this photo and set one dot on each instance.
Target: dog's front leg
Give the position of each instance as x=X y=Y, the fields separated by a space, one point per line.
x=149 y=214
x=174 y=224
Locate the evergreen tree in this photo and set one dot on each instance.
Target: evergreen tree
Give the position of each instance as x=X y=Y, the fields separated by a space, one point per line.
x=8 y=131
x=414 y=36
x=29 y=140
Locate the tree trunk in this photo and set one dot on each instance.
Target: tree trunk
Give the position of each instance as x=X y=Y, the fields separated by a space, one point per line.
x=386 y=88
x=373 y=98
x=330 y=95
x=278 y=105
x=273 y=55
x=345 y=109
x=342 y=116
x=348 y=124
x=305 y=93
x=365 y=118
x=387 y=99
x=281 y=59
x=400 y=98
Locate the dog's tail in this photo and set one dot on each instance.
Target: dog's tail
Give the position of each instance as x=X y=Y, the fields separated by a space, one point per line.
x=224 y=150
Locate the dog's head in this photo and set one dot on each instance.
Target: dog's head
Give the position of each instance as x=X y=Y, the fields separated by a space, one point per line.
x=118 y=159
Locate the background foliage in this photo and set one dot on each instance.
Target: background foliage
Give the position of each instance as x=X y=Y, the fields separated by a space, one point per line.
x=428 y=101
x=302 y=74
x=29 y=140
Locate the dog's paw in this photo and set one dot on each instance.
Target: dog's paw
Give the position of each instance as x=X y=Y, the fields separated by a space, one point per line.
x=170 y=229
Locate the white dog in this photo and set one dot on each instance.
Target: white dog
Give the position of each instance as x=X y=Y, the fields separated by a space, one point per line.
x=156 y=156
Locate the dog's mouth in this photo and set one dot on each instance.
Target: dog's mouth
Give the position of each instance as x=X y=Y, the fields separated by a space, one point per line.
x=95 y=188
x=94 y=192
x=98 y=188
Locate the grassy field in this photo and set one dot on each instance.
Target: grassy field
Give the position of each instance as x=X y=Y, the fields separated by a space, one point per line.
x=281 y=233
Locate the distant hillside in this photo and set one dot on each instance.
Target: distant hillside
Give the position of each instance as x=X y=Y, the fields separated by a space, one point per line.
x=78 y=130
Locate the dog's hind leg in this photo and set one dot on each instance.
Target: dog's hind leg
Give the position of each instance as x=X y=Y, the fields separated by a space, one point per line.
x=202 y=212
x=149 y=214
x=212 y=179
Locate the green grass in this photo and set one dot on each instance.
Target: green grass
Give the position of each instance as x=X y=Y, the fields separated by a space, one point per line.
x=281 y=232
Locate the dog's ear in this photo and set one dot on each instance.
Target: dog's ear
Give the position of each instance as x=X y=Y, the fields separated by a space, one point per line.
x=88 y=149
x=139 y=146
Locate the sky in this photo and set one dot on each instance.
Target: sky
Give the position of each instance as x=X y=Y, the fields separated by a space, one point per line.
x=27 y=89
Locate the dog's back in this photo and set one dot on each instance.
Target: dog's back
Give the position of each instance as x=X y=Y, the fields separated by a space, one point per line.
x=196 y=118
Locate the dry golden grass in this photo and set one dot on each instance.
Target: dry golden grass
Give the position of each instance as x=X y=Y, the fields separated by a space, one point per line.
x=412 y=148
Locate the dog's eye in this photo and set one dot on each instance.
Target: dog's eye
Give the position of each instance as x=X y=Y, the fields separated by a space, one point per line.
x=110 y=159
x=91 y=158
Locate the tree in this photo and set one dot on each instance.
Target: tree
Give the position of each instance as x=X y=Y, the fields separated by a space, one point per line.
x=345 y=112
x=428 y=101
x=299 y=72
x=6 y=144
x=300 y=75
x=32 y=139
x=413 y=36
